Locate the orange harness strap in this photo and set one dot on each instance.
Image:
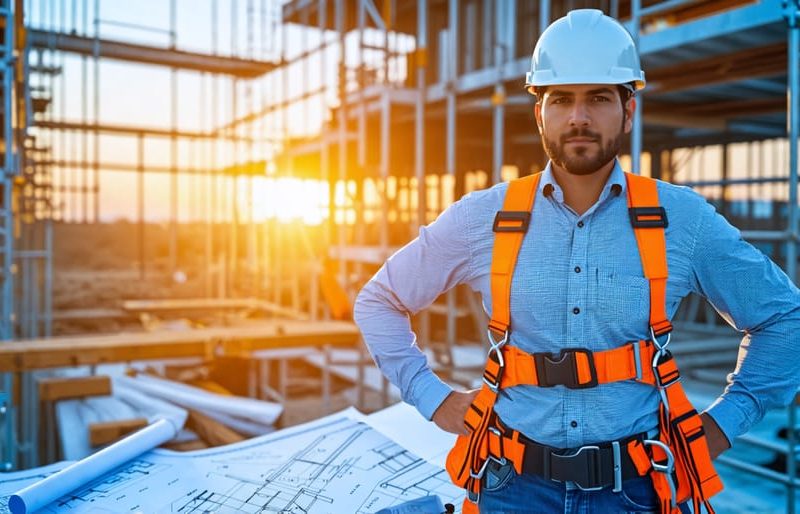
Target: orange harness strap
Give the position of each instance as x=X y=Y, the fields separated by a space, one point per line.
x=467 y=460
x=683 y=455
x=629 y=362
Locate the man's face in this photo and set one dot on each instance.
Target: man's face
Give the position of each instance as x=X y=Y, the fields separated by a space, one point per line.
x=583 y=126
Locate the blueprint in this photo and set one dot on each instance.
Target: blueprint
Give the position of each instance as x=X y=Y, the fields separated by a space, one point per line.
x=335 y=465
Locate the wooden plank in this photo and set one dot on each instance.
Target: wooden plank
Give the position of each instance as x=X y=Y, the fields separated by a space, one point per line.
x=187 y=304
x=55 y=389
x=88 y=314
x=208 y=305
x=205 y=342
x=110 y=431
x=211 y=431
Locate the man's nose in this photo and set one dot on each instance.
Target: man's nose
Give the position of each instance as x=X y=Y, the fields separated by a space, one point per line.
x=579 y=116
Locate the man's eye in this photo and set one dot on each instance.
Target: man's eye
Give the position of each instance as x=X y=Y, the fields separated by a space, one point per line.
x=601 y=99
x=560 y=100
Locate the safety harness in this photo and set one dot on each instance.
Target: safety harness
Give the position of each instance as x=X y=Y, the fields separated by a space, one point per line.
x=677 y=459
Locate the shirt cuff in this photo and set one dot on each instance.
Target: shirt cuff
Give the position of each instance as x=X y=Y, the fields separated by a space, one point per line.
x=428 y=392
x=734 y=414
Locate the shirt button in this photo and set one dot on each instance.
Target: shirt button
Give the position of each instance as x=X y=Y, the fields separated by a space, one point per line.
x=576 y=311
x=577 y=269
x=580 y=224
x=573 y=424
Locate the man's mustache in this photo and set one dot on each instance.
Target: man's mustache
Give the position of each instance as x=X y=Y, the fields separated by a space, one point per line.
x=579 y=133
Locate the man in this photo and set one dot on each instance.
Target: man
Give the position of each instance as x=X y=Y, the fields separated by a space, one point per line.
x=579 y=282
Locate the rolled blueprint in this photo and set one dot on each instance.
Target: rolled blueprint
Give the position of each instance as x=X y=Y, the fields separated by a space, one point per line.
x=36 y=496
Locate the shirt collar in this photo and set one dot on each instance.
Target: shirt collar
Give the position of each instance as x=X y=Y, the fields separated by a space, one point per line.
x=614 y=185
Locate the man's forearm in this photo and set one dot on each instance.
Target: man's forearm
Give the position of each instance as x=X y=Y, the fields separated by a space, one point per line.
x=387 y=333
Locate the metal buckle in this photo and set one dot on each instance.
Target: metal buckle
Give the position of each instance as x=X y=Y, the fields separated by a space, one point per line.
x=521 y=217
x=589 y=462
x=617 y=466
x=562 y=369
x=494 y=348
x=656 y=342
x=638 y=213
x=637 y=360
x=667 y=468
x=656 y=361
x=477 y=476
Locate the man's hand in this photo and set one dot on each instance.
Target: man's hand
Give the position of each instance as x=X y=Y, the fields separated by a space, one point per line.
x=717 y=442
x=450 y=414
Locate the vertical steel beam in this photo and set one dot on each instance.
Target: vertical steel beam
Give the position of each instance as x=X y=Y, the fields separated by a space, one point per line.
x=342 y=175
x=8 y=449
x=384 y=170
x=419 y=119
x=638 y=123
x=499 y=95
x=96 y=93
x=452 y=78
x=140 y=206
x=544 y=15
x=792 y=14
x=173 y=148
x=419 y=136
x=48 y=274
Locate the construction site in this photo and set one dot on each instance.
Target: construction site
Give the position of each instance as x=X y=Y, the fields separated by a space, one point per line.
x=195 y=192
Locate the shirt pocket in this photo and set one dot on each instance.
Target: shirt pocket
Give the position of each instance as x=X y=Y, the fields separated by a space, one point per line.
x=621 y=301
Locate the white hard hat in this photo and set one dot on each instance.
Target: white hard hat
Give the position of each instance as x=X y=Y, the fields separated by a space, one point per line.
x=585 y=47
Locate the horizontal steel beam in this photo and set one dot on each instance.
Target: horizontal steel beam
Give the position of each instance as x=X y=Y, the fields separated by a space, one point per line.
x=134 y=131
x=144 y=54
x=133 y=167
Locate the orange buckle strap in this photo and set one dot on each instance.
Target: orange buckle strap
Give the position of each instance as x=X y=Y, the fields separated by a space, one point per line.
x=575 y=368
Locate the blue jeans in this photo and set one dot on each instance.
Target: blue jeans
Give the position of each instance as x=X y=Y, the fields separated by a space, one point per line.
x=505 y=492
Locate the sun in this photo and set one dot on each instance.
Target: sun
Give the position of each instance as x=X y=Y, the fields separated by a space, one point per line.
x=289 y=199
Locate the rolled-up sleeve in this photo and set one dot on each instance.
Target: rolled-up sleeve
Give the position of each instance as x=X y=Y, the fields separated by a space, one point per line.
x=757 y=298
x=408 y=282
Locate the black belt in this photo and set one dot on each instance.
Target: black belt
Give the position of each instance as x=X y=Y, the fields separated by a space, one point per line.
x=590 y=467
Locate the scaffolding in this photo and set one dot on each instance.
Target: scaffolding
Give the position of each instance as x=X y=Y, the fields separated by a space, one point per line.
x=398 y=109
x=53 y=166
x=456 y=118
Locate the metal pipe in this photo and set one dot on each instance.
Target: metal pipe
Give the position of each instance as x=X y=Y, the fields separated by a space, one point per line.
x=636 y=133
x=140 y=208
x=792 y=14
x=732 y=181
x=173 y=148
x=544 y=15
x=419 y=120
x=419 y=136
x=96 y=93
x=340 y=229
x=384 y=170
x=452 y=77
x=760 y=471
x=498 y=98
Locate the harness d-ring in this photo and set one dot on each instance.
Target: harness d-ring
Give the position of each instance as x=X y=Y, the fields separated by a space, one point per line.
x=667 y=468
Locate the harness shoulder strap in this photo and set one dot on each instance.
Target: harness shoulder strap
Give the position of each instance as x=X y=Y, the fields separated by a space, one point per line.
x=649 y=220
x=510 y=227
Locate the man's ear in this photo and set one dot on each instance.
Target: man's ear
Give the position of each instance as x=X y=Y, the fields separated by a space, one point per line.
x=537 y=112
x=627 y=113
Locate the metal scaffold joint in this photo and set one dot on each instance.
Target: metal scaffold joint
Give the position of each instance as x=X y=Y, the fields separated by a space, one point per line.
x=791 y=12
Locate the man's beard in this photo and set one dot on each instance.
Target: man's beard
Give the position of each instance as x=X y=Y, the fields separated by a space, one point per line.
x=581 y=162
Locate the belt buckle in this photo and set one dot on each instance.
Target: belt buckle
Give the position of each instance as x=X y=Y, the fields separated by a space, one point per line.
x=588 y=462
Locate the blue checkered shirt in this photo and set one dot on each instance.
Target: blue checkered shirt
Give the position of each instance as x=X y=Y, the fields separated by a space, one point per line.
x=579 y=283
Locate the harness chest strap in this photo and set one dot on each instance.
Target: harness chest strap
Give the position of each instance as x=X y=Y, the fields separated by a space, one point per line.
x=585 y=369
